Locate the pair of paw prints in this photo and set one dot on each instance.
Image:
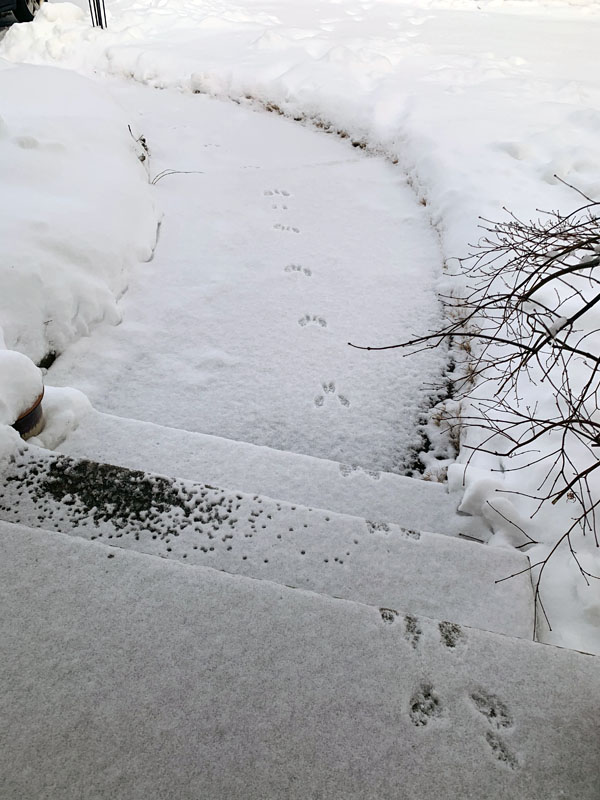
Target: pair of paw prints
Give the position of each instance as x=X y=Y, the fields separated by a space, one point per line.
x=286 y=228
x=412 y=628
x=349 y=469
x=312 y=319
x=329 y=389
x=276 y=193
x=277 y=198
x=425 y=705
x=451 y=634
x=298 y=269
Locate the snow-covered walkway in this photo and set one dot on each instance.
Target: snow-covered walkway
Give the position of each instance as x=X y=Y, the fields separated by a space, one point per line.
x=288 y=244
x=187 y=614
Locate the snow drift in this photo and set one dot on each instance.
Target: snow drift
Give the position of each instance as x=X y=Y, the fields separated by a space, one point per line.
x=77 y=212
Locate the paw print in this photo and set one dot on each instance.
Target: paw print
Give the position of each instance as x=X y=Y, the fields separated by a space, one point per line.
x=499 y=718
x=330 y=389
x=312 y=319
x=277 y=197
x=298 y=269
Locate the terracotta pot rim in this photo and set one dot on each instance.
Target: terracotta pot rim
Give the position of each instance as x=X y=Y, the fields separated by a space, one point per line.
x=31 y=408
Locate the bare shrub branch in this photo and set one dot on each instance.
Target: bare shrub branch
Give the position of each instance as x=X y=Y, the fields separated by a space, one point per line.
x=530 y=315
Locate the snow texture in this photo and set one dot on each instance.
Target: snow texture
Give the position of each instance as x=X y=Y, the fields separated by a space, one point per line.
x=66 y=155
x=20 y=385
x=370 y=561
x=63 y=411
x=291 y=477
x=481 y=104
x=128 y=676
x=280 y=247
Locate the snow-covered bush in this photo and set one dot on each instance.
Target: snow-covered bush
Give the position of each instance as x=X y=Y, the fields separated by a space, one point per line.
x=527 y=341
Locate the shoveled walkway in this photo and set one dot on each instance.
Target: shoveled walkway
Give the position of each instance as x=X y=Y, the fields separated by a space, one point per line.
x=288 y=244
x=253 y=624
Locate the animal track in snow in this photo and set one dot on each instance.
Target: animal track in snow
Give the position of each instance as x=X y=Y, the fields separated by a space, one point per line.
x=349 y=469
x=377 y=527
x=451 y=634
x=501 y=751
x=299 y=269
x=410 y=534
x=276 y=195
x=498 y=716
x=286 y=228
x=424 y=706
x=312 y=319
x=493 y=709
x=412 y=630
x=388 y=615
x=329 y=388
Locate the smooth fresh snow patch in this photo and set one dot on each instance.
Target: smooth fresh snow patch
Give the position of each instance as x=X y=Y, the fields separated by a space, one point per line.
x=136 y=678
x=287 y=245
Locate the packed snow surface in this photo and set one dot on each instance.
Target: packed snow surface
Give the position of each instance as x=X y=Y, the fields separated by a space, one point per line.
x=279 y=246
x=129 y=676
x=333 y=554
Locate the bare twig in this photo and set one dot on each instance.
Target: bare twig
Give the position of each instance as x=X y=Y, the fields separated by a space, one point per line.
x=529 y=316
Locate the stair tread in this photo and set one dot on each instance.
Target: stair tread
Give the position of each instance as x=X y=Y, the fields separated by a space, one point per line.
x=292 y=477
x=132 y=676
x=373 y=562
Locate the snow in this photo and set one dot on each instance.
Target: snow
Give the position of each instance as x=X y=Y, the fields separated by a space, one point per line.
x=195 y=524
x=480 y=104
x=134 y=677
x=274 y=262
x=475 y=109
x=20 y=385
x=64 y=410
x=294 y=478
x=67 y=247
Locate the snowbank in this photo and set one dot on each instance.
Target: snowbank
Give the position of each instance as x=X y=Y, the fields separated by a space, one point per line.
x=20 y=385
x=78 y=211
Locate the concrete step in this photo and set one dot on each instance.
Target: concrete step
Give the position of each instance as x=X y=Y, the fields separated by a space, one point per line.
x=129 y=676
x=313 y=482
x=370 y=561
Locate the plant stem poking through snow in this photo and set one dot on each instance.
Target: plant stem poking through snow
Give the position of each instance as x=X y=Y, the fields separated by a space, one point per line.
x=167 y=172
x=530 y=314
